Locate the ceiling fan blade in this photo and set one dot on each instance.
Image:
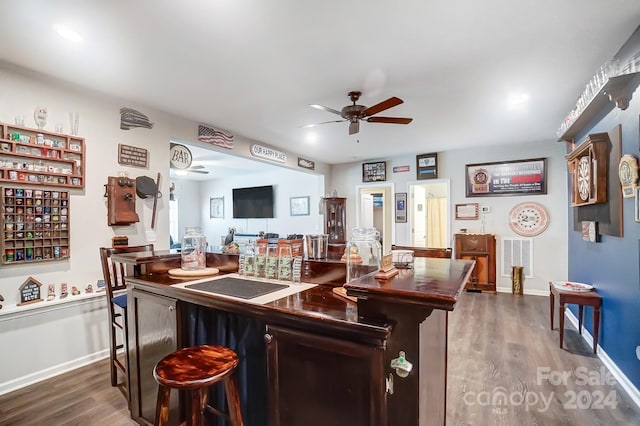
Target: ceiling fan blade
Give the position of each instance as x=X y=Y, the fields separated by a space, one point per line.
x=389 y=103
x=324 y=122
x=354 y=127
x=204 y=172
x=199 y=166
x=392 y=120
x=324 y=108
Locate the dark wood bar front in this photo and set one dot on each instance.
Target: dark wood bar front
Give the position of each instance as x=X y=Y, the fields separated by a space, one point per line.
x=311 y=357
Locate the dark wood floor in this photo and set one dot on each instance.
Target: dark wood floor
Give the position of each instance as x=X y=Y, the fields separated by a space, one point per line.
x=503 y=345
x=498 y=343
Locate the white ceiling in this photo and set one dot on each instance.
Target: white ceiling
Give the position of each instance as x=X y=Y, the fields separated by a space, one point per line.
x=253 y=66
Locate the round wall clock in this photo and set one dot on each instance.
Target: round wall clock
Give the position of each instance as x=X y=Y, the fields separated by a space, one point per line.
x=528 y=219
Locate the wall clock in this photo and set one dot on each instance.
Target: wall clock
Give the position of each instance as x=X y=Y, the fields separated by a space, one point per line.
x=528 y=219
x=628 y=175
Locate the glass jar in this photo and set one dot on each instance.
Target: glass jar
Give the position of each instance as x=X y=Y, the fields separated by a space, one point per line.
x=194 y=247
x=363 y=249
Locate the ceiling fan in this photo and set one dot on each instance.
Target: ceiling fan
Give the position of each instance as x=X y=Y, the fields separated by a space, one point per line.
x=356 y=113
x=193 y=169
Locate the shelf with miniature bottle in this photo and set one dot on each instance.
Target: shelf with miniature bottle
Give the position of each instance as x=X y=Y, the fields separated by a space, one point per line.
x=39 y=157
x=35 y=225
x=618 y=89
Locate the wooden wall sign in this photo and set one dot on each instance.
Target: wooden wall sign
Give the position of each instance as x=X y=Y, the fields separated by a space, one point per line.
x=132 y=156
x=30 y=291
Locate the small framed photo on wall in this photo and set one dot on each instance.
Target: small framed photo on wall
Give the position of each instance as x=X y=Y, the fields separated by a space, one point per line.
x=374 y=172
x=427 y=166
x=401 y=207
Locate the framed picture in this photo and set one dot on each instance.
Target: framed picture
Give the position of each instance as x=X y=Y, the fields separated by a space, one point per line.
x=468 y=211
x=299 y=206
x=401 y=207
x=518 y=177
x=374 y=172
x=427 y=166
x=216 y=207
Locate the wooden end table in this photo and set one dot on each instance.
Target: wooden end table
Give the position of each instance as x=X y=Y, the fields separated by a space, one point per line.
x=582 y=299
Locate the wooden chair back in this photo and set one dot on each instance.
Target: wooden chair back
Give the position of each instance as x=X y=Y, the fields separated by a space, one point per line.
x=443 y=253
x=114 y=273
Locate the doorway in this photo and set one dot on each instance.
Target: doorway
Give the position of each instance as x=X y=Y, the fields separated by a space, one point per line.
x=429 y=212
x=374 y=209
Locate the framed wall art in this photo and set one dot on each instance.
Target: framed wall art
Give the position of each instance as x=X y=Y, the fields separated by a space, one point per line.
x=401 y=207
x=427 y=166
x=518 y=177
x=374 y=172
x=299 y=206
x=468 y=211
x=216 y=208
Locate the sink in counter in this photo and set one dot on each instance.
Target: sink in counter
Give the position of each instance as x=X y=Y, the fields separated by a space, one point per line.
x=264 y=291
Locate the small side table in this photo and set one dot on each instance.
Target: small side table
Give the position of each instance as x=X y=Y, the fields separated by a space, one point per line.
x=582 y=299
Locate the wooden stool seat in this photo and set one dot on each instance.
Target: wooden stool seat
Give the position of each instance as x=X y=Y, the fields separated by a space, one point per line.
x=195 y=369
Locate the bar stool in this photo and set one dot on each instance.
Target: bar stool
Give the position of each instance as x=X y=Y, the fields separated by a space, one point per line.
x=196 y=368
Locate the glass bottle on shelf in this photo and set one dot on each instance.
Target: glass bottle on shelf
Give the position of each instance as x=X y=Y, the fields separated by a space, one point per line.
x=194 y=246
x=363 y=249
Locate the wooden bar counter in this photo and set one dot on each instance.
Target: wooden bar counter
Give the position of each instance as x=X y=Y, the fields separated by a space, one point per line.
x=309 y=358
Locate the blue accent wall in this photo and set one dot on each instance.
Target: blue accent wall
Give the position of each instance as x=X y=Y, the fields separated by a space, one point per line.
x=613 y=265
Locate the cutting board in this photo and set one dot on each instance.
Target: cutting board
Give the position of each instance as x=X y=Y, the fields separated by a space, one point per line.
x=183 y=273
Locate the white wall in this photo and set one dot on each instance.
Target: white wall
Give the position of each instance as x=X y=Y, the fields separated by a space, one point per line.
x=550 y=247
x=287 y=183
x=48 y=346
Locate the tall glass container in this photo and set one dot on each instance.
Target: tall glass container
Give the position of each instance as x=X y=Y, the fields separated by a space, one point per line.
x=363 y=249
x=194 y=247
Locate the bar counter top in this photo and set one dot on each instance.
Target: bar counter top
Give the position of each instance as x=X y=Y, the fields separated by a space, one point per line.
x=347 y=347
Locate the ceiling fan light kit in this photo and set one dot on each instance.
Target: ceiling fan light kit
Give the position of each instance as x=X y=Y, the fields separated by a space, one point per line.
x=355 y=113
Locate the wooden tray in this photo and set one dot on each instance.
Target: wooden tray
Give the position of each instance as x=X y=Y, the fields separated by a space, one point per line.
x=182 y=273
x=342 y=292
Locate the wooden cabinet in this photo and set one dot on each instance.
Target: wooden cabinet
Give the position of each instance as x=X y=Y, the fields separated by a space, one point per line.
x=335 y=219
x=35 y=225
x=482 y=249
x=588 y=168
x=152 y=331
x=38 y=157
x=316 y=380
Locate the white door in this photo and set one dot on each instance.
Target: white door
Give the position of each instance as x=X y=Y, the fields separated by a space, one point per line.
x=366 y=210
x=418 y=213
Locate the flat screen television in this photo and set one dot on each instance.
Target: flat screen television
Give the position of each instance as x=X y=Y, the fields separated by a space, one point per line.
x=253 y=203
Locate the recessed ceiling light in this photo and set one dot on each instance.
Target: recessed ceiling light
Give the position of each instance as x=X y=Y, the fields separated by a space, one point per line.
x=311 y=137
x=67 y=33
x=517 y=98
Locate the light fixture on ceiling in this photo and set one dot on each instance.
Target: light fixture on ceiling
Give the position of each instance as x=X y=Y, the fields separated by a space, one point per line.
x=67 y=33
x=517 y=98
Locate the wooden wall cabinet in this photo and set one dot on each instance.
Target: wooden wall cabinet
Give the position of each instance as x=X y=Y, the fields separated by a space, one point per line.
x=316 y=380
x=38 y=157
x=335 y=219
x=588 y=168
x=482 y=249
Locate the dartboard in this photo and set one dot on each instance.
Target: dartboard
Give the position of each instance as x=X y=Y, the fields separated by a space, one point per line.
x=584 y=178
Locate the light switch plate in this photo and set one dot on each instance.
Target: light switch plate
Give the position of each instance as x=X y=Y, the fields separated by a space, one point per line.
x=485 y=209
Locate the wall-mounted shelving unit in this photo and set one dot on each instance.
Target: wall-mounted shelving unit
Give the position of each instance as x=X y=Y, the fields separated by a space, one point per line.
x=37 y=157
x=618 y=89
x=35 y=225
